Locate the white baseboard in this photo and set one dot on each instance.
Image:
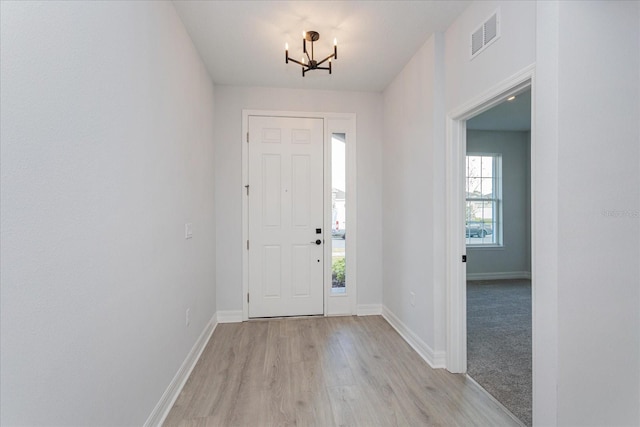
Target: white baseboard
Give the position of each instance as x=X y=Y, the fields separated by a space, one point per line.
x=504 y=275
x=230 y=316
x=160 y=412
x=369 y=309
x=435 y=359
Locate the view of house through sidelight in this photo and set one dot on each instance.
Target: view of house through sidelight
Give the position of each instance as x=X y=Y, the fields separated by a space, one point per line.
x=338 y=213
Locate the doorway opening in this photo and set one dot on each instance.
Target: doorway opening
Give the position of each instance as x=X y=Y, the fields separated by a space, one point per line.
x=498 y=245
x=456 y=207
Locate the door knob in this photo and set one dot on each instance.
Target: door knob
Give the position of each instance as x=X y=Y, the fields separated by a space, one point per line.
x=318 y=242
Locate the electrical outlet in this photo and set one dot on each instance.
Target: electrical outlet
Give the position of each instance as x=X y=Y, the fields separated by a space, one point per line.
x=188 y=231
x=188 y=317
x=412 y=299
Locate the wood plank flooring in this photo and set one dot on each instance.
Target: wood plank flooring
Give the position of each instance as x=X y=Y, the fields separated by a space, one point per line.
x=336 y=371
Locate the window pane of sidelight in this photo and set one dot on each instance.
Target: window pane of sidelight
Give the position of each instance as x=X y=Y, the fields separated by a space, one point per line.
x=338 y=213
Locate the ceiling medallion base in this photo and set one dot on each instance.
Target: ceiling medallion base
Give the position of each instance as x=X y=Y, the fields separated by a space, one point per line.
x=311 y=63
x=312 y=36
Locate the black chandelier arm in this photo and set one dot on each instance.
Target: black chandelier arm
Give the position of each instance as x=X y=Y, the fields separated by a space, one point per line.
x=305 y=69
x=326 y=59
x=297 y=62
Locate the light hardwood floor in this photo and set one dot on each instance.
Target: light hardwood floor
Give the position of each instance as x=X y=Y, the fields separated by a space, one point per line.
x=337 y=371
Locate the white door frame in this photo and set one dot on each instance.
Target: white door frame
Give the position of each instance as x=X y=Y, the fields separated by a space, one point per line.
x=341 y=304
x=456 y=292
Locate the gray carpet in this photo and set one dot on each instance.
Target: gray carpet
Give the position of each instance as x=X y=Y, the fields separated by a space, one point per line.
x=499 y=341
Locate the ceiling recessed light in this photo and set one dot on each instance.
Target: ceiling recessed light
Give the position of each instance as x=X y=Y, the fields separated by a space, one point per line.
x=511 y=98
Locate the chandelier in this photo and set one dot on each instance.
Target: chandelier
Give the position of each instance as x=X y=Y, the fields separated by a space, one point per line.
x=310 y=63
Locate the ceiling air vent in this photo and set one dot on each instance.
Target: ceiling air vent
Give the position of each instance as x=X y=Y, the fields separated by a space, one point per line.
x=486 y=34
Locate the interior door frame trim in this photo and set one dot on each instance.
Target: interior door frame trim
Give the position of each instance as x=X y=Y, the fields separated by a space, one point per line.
x=456 y=294
x=344 y=304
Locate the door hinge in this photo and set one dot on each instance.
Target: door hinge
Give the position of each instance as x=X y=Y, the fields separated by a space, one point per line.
x=247 y=187
x=247 y=136
x=464 y=258
x=247 y=245
x=247 y=297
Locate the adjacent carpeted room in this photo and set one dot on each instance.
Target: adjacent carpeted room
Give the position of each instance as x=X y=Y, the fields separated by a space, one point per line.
x=499 y=341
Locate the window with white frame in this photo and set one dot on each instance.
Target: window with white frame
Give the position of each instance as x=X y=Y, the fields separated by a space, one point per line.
x=483 y=224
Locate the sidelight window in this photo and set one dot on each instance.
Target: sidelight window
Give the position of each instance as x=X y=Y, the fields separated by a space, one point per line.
x=338 y=213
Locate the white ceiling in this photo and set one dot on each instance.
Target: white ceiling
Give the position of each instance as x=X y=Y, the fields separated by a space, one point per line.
x=242 y=42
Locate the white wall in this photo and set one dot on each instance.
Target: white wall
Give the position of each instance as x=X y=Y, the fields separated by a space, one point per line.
x=230 y=101
x=512 y=52
x=544 y=167
x=515 y=255
x=106 y=151
x=412 y=176
x=598 y=180
x=439 y=78
x=466 y=80
x=585 y=161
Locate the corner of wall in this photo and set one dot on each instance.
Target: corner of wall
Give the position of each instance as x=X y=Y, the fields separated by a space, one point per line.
x=435 y=359
x=170 y=395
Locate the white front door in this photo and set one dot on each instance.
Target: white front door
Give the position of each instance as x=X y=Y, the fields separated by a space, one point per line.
x=286 y=234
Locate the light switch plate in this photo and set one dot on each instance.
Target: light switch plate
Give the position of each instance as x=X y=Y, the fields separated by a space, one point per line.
x=188 y=231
